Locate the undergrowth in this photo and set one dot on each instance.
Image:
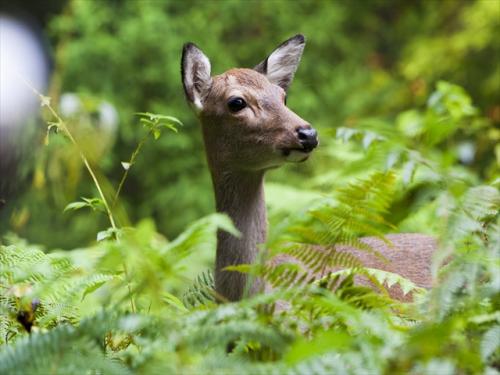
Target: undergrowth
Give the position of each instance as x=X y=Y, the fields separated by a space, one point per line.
x=124 y=304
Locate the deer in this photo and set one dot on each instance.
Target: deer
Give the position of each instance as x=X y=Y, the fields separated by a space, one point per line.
x=248 y=129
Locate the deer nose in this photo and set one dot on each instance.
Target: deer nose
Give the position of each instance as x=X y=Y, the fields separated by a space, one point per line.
x=308 y=137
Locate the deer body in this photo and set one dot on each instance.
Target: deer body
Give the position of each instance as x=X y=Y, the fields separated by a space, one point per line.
x=247 y=130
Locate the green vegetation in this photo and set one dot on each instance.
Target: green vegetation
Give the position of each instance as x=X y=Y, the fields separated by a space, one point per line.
x=405 y=99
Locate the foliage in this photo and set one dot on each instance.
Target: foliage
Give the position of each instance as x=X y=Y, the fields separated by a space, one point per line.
x=348 y=329
x=368 y=62
x=402 y=149
x=115 y=307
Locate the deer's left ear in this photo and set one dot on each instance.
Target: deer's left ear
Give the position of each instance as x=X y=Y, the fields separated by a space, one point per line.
x=195 y=70
x=281 y=64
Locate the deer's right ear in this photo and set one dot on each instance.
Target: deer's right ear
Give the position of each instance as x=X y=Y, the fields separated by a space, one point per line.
x=281 y=64
x=195 y=70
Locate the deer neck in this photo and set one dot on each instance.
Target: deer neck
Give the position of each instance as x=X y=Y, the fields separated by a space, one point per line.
x=239 y=194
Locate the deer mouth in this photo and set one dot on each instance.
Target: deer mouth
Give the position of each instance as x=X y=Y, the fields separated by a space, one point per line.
x=296 y=155
x=289 y=151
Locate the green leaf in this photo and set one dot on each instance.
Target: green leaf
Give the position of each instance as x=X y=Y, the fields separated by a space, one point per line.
x=323 y=342
x=408 y=171
x=75 y=206
x=391 y=160
x=201 y=234
x=155 y=116
x=172 y=300
x=104 y=234
x=156 y=133
x=146 y=122
x=169 y=126
x=345 y=133
x=490 y=342
x=410 y=123
x=201 y=292
x=94 y=282
x=369 y=138
x=51 y=125
x=243 y=268
x=95 y=204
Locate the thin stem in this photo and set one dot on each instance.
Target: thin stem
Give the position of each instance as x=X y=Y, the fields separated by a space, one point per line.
x=84 y=159
x=45 y=102
x=61 y=124
x=99 y=189
x=132 y=303
x=131 y=162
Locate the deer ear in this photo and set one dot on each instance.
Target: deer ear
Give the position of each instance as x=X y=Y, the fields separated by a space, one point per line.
x=280 y=66
x=195 y=70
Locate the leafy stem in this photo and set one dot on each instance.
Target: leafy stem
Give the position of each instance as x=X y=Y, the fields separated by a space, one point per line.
x=154 y=123
x=61 y=125
x=127 y=166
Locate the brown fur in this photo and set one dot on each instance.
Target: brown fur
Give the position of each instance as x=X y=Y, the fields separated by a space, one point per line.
x=408 y=254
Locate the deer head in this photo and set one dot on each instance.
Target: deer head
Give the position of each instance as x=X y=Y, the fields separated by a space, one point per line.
x=246 y=123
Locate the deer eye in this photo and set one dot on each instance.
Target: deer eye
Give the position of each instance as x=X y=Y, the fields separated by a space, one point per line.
x=236 y=104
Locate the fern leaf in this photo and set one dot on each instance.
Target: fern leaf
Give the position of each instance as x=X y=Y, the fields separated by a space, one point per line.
x=490 y=342
x=202 y=292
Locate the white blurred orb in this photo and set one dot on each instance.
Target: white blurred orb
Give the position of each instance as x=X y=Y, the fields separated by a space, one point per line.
x=22 y=57
x=108 y=117
x=70 y=104
x=466 y=152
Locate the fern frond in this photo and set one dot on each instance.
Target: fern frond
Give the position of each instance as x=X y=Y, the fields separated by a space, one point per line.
x=330 y=363
x=200 y=234
x=490 y=343
x=360 y=211
x=52 y=280
x=62 y=350
x=381 y=278
x=317 y=258
x=201 y=292
x=246 y=330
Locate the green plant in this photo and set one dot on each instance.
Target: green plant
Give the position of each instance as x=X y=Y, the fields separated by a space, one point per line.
x=127 y=304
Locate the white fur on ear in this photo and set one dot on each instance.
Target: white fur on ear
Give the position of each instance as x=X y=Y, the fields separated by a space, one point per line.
x=195 y=70
x=280 y=66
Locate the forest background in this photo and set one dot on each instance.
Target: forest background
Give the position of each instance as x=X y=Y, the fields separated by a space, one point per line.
x=405 y=97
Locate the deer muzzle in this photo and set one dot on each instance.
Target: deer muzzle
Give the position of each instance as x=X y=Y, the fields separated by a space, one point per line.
x=308 y=138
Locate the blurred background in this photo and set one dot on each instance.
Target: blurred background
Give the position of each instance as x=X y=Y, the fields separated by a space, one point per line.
x=100 y=62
